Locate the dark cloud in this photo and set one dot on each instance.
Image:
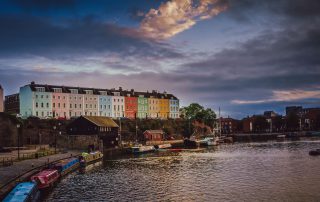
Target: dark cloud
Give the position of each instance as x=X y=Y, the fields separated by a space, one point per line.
x=34 y=36
x=44 y=4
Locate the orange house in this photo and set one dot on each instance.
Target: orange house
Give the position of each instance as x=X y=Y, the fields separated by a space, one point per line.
x=131 y=107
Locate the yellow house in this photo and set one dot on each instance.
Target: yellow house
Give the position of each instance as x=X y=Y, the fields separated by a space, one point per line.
x=164 y=108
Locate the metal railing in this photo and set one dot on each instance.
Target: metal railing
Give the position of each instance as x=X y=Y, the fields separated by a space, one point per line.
x=33 y=170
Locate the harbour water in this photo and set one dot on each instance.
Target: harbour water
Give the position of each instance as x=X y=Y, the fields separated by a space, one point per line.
x=272 y=171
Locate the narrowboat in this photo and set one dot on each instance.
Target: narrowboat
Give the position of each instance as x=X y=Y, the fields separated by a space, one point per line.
x=139 y=149
x=91 y=157
x=24 y=191
x=46 y=178
x=66 y=166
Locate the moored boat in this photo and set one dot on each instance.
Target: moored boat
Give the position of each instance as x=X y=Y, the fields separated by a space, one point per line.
x=209 y=141
x=89 y=158
x=281 y=137
x=138 y=149
x=314 y=152
x=66 y=166
x=46 y=178
x=163 y=146
x=24 y=191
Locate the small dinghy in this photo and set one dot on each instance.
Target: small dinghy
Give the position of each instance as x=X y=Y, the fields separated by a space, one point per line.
x=314 y=152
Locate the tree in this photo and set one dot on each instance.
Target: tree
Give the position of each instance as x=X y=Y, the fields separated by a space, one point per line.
x=196 y=112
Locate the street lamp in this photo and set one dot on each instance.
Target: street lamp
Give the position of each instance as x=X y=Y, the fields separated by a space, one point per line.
x=18 y=127
x=55 y=139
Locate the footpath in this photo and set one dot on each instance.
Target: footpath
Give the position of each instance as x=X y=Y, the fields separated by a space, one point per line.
x=18 y=168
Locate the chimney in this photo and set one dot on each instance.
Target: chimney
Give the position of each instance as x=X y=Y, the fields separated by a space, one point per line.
x=32 y=83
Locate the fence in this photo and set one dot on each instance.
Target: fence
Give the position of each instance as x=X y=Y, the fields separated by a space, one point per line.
x=7 y=161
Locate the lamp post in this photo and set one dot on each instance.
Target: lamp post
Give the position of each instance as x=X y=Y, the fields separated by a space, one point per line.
x=18 y=127
x=55 y=139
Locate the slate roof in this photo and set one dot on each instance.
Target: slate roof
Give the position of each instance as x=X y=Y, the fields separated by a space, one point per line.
x=101 y=121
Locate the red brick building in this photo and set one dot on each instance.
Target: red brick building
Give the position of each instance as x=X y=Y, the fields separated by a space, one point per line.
x=154 y=135
x=229 y=125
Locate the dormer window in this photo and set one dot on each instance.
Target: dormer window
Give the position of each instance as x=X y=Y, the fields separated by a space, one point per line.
x=40 y=89
x=103 y=92
x=89 y=92
x=74 y=91
x=57 y=90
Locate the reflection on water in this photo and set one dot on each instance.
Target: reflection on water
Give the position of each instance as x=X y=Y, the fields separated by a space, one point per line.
x=276 y=171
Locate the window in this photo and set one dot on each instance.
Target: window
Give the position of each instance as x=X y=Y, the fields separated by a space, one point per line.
x=47 y=105
x=57 y=90
x=74 y=91
x=36 y=96
x=59 y=97
x=41 y=96
x=36 y=105
x=75 y=106
x=58 y=105
x=64 y=105
x=80 y=105
x=53 y=104
x=89 y=92
x=70 y=105
x=42 y=104
x=40 y=89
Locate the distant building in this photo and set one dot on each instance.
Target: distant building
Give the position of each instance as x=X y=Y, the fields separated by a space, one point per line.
x=294 y=110
x=269 y=114
x=12 y=104
x=154 y=135
x=1 y=99
x=229 y=125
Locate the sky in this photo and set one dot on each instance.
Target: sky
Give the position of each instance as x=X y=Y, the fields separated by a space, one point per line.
x=244 y=56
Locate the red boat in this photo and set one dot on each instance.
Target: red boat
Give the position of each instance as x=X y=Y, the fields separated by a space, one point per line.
x=46 y=178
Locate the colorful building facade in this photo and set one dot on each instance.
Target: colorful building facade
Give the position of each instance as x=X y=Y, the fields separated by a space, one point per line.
x=61 y=102
x=131 y=106
x=173 y=107
x=142 y=107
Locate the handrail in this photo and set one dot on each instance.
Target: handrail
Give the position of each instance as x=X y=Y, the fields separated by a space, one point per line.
x=19 y=176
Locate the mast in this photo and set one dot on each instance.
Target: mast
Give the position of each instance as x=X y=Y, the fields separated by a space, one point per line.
x=219 y=123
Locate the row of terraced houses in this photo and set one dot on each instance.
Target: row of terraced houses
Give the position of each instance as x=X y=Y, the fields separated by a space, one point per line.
x=52 y=101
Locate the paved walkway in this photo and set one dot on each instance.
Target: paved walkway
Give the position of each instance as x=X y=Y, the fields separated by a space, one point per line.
x=10 y=172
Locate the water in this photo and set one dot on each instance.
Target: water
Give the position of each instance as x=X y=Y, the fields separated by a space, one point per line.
x=239 y=172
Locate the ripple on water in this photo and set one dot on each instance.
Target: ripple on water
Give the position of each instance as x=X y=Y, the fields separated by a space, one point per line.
x=239 y=172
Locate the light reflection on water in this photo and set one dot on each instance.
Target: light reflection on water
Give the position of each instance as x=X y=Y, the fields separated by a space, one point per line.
x=273 y=171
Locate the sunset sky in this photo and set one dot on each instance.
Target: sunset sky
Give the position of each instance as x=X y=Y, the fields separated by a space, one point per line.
x=244 y=56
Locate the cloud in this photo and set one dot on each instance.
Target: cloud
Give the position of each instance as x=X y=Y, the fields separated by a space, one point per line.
x=26 y=36
x=175 y=16
x=284 y=96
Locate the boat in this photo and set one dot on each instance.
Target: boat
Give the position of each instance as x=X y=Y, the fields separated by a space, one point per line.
x=66 y=166
x=190 y=142
x=314 y=152
x=24 y=191
x=138 y=149
x=46 y=178
x=162 y=147
x=86 y=159
x=281 y=137
x=209 y=141
x=92 y=157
